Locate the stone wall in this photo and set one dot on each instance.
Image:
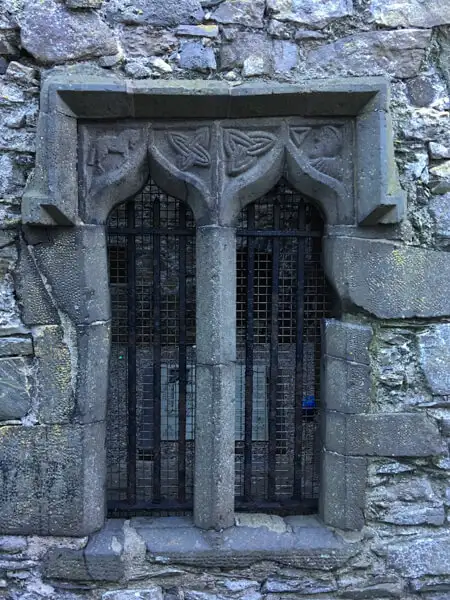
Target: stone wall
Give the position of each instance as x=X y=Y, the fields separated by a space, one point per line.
x=403 y=551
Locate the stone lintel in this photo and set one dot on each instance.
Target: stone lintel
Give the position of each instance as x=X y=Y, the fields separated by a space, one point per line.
x=343 y=484
x=215 y=378
x=383 y=434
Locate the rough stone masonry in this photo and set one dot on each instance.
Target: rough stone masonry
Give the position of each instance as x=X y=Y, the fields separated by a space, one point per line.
x=403 y=548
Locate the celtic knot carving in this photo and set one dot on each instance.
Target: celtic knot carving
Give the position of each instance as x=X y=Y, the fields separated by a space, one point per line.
x=322 y=146
x=192 y=150
x=243 y=149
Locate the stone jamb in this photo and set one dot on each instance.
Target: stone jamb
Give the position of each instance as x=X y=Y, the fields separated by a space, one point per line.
x=54 y=214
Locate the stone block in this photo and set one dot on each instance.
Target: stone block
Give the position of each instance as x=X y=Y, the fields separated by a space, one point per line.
x=410 y=13
x=103 y=554
x=398 y=53
x=420 y=556
x=74 y=35
x=346 y=385
x=155 y=12
x=240 y=12
x=285 y=56
x=55 y=353
x=149 y=593
x=302 y=584
x=385 y=434
x=434 y=352
x=52 y=479
x=197 y=57
x=440 y=209
x=15 y=346
x=245 y=46
x=348 y=341
x=66 y=564
x=73 y=262
x=342 y=496
x=16 y=387
x=310 y=12
x=388 y=280
x=84 y=3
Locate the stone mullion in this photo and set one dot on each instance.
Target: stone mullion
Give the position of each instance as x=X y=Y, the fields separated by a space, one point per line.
x=215 y=380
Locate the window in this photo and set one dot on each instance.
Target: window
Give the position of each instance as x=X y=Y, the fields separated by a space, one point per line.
x=282 y=297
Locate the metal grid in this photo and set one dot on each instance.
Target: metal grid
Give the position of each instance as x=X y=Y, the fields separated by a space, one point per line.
x=152 y=368
x=282 y=297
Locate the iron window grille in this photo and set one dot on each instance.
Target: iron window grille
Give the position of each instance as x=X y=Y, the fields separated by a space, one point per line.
x=282 y=296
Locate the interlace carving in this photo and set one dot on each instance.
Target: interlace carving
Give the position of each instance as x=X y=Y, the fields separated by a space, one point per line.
x=108 y=152
x=322 y=147
x=192 y=150
x=243 y=149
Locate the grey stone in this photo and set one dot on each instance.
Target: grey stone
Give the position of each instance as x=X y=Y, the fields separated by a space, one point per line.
x=240 y=12
x=74 y=35
x=347 y=341
x=399 y=513
x=434 y=348
x=306 y=34
x=197 y=57
x=420 y=556
x=15 y=388
x=18 y=72
x=3 y=65
x=137 y=69
x=440 y=209
x=84 y=3
x=346 y=386
x=245 y=46
x=54 y=362
x=421 y=90
x=398 y=53
x=438 y=151
x=152 y=593
x=444 y=54
x=374 y=591
x=15 y=346
x=285 y=56
x=66 y=564
x=385 y=434
x=303 y=584
x=204 y=31
x=13 y=544
x=431 y=584
x=52 y=479
x=412 y=281
x=342 y=495
x=12 y=180
x=155 y=12
x=309 y=12
x=411 y=13
x=103 y=554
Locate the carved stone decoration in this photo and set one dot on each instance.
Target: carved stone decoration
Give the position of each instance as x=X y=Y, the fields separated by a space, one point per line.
x=192 y=150
x=243 y=148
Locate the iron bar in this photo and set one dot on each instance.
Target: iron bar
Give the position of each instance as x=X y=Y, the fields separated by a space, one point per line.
x=182 y=360
x=131 y=357
x=156 y=347
x=248 y=402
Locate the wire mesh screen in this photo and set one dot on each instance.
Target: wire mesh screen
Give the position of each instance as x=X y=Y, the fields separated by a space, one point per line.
x=282 y=297
x=151 y=401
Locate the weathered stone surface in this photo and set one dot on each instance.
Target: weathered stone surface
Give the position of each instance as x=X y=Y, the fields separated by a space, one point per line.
x=425 y=556
x=394 y=434
x=12 y=179
x=412 y=514
x=302 y=584
x=73 y=35
x=434 y=347
x=346 y=385
x=16 y=71
x=440 y=209
x=348 y=341
x=15 y=346
x=55 y=386
x=285 y=56
x=253 y=46
x=152 y=593
x=55 y=475
x=84 y=3
x=363 y=271
x=103 y=553
x=438 y=151
x=13 y=544
x=65 y=563
x=240 y=12
x=204 y=31
x=15 y=388
x=398 y=53
x=197 y=57
x=411 y=13
x=309 y=12
x=444 y=55
x=421 y=90
x=155 y=12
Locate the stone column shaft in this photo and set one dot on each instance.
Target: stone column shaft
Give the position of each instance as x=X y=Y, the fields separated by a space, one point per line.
x=216 y=356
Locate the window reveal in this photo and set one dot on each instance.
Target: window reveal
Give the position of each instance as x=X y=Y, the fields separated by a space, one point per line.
x=282 y=296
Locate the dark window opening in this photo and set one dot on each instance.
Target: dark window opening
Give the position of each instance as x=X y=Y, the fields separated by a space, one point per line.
x=151 y=400
x=282 y=297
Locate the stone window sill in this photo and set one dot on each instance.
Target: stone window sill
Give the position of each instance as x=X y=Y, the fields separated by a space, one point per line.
x=138 y=544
